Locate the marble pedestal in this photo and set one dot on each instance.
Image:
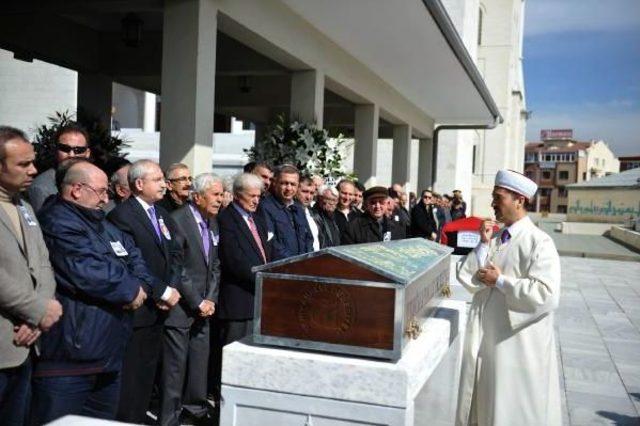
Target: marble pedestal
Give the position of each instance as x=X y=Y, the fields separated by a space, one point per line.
x=273 y=386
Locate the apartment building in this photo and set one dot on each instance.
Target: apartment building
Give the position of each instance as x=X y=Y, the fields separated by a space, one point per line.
x=559 y=160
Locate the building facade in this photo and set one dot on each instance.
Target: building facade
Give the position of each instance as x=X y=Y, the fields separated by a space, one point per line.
x=559 y=161
x=468 y=160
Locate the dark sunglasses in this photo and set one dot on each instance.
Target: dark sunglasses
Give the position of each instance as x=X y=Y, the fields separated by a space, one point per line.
x=77 y=150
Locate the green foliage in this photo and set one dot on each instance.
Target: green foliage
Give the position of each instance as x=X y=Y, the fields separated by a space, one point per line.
x=303 y=145
x=105 y=148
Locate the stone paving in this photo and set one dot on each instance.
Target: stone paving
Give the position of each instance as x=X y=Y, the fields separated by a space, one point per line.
x=598 y=331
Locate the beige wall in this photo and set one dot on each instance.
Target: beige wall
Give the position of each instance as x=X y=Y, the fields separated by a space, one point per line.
x=612 y=205
x=600 y=161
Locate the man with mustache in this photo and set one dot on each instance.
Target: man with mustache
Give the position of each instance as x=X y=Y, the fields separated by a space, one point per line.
x=509 y=366
x=153 y=231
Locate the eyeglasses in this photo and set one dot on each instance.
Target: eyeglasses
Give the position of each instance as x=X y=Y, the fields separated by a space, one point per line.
x=99 y=192
x=77 y=150
x=181 y=179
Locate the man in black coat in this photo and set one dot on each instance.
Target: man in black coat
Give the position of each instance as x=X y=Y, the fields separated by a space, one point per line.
x=187 y=329
x=373 y=225
x=326 y=218
x=423 y=222
x=153 y=231
x=243 y=245
x=345 y=212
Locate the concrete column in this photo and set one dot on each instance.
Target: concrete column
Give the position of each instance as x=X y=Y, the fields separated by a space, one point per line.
x=188 y=83
x=149 y=116
x=307 y=97
x=260 y=133
x=425 y=164
x=401 y=168
x=365 y=154
x=95 y=97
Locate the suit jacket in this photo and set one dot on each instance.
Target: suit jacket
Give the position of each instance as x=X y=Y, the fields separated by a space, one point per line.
x=200 y=278
x=423 y=223
x=291 y=233
x=162 y=255
x=365 y=229
x=238 y=254
x=26 y=279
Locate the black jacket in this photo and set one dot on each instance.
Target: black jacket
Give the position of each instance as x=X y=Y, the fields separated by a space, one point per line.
x=423 y=223
x=365 y=229
x=343 y=221
x=162 y=255
x=327 y=227
x=238 y=254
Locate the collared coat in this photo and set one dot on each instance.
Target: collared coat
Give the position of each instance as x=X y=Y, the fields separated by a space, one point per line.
x=509 y=367
x=289 y=226
x=26 y=279
x=365 y=229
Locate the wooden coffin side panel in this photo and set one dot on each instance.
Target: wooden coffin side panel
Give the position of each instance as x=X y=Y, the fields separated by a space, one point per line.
x=328 y=312
x=329 y=266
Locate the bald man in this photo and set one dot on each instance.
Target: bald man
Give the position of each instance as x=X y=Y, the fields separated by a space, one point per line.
x=101 y=279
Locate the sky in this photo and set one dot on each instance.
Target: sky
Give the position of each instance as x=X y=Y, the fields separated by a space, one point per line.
x=582 y=70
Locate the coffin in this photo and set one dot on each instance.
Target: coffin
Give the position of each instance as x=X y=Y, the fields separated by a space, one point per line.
x=366 y=300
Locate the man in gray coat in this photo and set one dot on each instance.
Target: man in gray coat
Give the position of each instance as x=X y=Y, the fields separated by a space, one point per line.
x=187 y=329
x=27 y=306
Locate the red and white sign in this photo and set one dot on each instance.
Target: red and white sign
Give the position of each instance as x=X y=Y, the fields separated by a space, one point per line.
x=548 y=134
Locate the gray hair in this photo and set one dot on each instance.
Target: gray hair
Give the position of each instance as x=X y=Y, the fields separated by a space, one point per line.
x=204 y=181
x=331 y=189
x=246 y=181
x=139 y=170
x=173 y=167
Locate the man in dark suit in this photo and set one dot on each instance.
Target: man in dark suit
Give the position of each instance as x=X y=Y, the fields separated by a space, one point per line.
x=153 y=231
x=345 y=212
x=373 y=225
x=243 y=245
x=423 y=221
x=285 y=216
x=325 y=209
x=187 y=329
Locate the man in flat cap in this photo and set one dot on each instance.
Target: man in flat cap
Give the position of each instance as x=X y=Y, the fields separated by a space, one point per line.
x=509 y=369
x=373 y=225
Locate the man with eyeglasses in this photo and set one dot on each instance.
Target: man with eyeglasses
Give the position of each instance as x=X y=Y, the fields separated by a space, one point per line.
x=423 y=221
x=72 y=141
x=178 y=179
x=153 y=231
x=101 y=278
x=373 y=225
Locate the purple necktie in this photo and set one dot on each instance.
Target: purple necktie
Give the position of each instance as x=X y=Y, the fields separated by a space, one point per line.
x=206 y=243
x=506 y=236
x=154 y=221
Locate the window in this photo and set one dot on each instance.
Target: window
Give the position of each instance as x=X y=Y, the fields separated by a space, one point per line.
x=546 y=175
x=480 y=18
x=562 y=192
x=584 y=175
x=473 y=159
x=562 y=209
x=564 y=175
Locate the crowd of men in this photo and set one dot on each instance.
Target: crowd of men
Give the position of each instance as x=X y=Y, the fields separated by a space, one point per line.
x=121 y=290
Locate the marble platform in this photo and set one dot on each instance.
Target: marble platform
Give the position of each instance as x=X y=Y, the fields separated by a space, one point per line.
x=265 y=385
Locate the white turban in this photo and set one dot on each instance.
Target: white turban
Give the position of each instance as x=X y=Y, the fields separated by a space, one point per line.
x=516 y=182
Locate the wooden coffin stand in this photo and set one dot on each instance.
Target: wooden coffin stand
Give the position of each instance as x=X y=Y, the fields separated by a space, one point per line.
x=365 y=300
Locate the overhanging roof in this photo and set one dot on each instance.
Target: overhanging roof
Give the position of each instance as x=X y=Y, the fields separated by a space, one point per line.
x=414 y=47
